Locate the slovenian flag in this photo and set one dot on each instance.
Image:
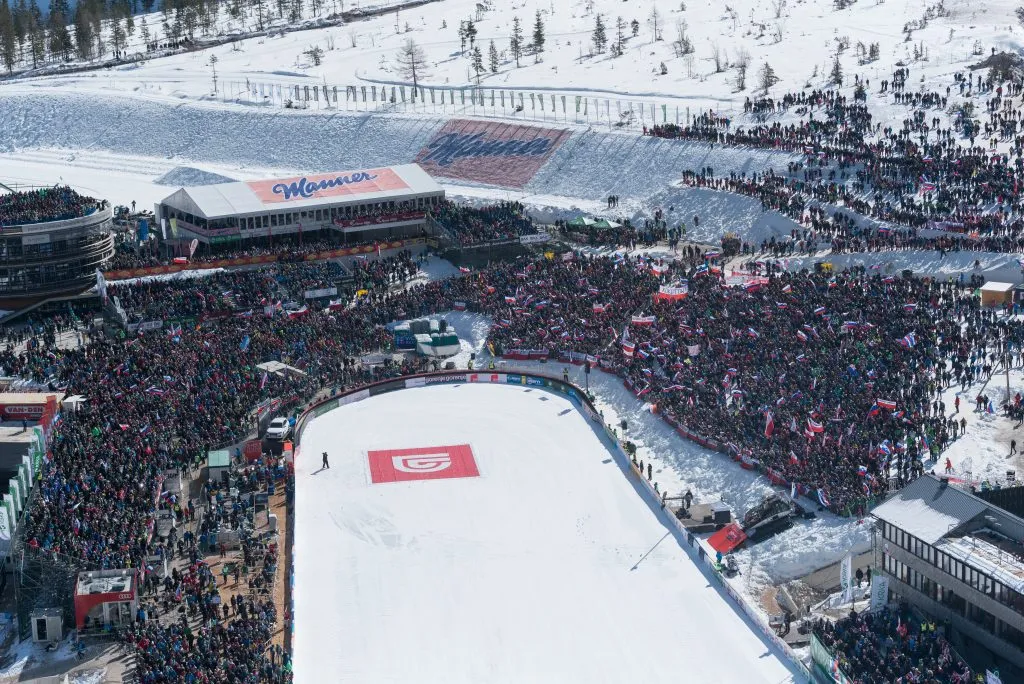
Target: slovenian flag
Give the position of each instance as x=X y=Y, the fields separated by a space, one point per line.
x=823 y=499
x=887 y=404
x=862 y=470
x=769 y=424
x=814 y=426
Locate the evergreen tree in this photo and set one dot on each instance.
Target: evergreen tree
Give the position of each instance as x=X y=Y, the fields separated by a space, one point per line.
x=8 y=41
x=57 y=24
x=492 y=55
x=20 y=17
x=619 y=38
x=600 y=39
x=766 y=77
x=471 y=32
x=144 y=32
x=634 y=26
x=515 y=43
x=836 y=75
x=478 y=62
x=538 y=37
x=37 y=35
x=462 y=36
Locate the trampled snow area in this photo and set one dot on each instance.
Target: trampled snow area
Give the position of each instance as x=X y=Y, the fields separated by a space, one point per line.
x=546 y=567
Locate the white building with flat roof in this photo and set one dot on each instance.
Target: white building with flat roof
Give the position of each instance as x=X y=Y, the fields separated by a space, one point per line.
x=361 y=205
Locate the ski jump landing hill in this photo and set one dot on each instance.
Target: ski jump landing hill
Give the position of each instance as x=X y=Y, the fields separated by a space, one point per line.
x=353 y=543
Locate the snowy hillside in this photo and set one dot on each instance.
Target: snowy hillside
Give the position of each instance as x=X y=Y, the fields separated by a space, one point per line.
x=798 y=38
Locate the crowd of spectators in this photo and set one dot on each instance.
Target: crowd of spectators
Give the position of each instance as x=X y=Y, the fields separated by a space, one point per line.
x=288 y=249
x=470 y=226
x=231 y=651
x=842 y=347
x=930 y=181
x=44 y=204
x=815 y=356
x=892 y=645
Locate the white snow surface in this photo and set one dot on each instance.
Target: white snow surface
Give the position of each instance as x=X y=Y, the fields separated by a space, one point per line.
x=548 y=567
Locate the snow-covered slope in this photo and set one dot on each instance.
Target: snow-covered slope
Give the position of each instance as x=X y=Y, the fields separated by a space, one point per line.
x=547 y=567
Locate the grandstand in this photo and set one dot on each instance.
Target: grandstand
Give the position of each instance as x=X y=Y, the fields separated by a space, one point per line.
x=52 y=240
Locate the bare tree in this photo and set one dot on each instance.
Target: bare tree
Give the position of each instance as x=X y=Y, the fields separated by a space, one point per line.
x=742 y=64
x=717 y=57
x=654 y=18
x=682 y=44
x=778 y=7
x=412 y=63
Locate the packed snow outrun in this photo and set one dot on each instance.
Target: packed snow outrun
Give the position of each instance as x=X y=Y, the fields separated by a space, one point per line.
x=546 y=566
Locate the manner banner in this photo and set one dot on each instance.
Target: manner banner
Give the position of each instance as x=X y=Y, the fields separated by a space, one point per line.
x=502 y=154
x=327 y=185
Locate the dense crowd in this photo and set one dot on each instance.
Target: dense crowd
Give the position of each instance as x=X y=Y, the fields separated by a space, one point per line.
x=469 y=226
x=288 y=249
x=832 y=381
x=241 y=292
x=45 y=204
x=235 y=651
x=842 y=348
x=892 y=645
x=930 y=181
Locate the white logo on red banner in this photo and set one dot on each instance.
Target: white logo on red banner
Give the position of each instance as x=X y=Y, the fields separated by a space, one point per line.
x=423 y=463
x=433 y=463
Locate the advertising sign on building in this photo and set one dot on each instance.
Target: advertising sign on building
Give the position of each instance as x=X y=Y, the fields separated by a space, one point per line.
x=337 y=184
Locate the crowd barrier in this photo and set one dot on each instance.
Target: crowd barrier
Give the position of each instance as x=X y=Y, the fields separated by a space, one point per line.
x=122 y=274
x=695 y=547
